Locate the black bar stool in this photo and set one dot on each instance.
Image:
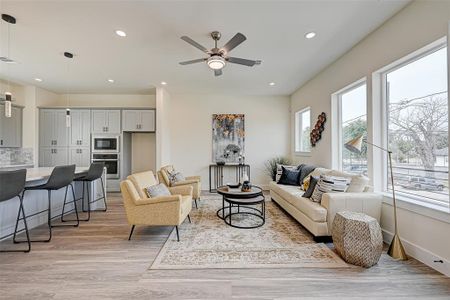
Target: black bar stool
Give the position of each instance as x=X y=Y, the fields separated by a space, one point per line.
x=62 y=176
x=94 y=173
x=12 y=184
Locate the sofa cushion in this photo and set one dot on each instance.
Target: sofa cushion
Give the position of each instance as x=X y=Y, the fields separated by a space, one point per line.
x=289 y=177
x=358 y=182
x=311 y=186
x=293 y=195
x=317 y=172
x=280 y=170
x=141 y=181
x=329 y=184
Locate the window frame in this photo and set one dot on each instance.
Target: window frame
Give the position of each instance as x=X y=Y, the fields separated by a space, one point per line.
x=336 y=99
x=382 y=76
x=298 y=137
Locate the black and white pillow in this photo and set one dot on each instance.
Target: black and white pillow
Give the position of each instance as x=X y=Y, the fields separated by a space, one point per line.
x=329 y=184
x=157 y=190
x=280 y=170
x=175 y=177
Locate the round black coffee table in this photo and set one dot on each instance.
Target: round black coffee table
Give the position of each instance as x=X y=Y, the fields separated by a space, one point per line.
x=235 y=198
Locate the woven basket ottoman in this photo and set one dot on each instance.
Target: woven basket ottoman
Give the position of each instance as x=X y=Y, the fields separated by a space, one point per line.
x=357 y=238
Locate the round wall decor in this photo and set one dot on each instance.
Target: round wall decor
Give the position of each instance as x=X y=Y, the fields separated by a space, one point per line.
x=316 y=132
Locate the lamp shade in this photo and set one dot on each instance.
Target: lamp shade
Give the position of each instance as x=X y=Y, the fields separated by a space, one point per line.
x=355 y=144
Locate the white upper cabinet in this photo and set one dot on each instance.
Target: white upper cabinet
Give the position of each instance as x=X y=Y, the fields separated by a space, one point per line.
x=80 y=128
x=138 y=120
x=53 y=131
x=105 y=121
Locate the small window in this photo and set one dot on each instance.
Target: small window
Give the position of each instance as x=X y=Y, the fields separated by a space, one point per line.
x=352 y=118
x=302 y=130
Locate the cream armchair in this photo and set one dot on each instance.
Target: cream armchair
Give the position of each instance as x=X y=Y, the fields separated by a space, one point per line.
x=194 y=181
x=158 y=211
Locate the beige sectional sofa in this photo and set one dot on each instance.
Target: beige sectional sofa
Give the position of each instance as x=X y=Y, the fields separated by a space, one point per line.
x=318 y=217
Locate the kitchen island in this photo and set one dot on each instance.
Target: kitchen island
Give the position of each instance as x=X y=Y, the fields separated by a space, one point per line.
x=35 y=201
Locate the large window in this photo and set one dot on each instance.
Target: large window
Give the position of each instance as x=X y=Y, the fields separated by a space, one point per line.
x=302 y=130
x=352 y=119
x=417 y=126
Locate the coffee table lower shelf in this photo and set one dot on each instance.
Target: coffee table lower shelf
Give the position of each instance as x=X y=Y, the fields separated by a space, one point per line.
x=243 y=206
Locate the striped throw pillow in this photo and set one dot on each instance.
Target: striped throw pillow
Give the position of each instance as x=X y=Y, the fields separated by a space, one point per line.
x=329 y=184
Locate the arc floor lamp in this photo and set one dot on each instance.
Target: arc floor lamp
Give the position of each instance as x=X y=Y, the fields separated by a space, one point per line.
x=396 y=249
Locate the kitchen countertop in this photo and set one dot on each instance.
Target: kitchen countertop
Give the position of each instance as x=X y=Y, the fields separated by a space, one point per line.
x=37 y=174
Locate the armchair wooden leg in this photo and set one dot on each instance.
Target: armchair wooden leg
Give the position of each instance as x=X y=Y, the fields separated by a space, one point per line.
x=131 y=232
x=178 y=235
x=189 y=218
x=195 y=200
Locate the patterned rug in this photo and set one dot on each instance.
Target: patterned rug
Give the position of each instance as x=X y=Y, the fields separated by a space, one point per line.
x=208 y=242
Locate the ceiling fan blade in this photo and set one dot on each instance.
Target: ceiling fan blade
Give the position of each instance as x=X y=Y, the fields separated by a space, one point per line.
x=188 y=62
x=243 y=61
x=218 y=72
x=194 y=43
x=234 y=42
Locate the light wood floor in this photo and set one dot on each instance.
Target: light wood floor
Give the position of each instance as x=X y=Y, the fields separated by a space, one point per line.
x=96 y=261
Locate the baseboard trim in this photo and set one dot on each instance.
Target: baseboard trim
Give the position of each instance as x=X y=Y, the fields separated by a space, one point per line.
x=421 y=254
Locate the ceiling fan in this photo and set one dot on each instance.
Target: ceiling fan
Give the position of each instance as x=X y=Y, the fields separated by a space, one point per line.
x=218 y=57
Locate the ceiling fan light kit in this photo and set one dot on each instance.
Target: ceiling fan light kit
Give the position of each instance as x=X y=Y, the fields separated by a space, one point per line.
x=218 y=57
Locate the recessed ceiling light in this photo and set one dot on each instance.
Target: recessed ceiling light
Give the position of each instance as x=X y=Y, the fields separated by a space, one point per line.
x=272 y=83
x=310 y=35
x=163 y=82
x=121 y=33
x=38 y=79
x=111 y=80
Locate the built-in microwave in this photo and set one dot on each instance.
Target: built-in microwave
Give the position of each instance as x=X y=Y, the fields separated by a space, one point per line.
x=105 y=143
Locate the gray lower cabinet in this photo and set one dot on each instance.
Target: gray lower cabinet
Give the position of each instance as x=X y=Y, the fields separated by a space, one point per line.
x=11 y=128
x=105 y=121
x=51 y=157
x=80 y=128
x=138 y=120
x=80 y=157
x=53 y=131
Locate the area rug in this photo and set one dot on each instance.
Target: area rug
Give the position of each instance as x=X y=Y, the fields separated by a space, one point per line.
x=209 y=243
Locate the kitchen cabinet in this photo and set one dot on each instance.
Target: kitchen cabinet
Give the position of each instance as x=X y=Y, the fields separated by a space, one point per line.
x=52 y=157
x=81 y=157
x=53 y=131
x=138 y=120
x=105 y=121
x=80 y=128
x=11 y=128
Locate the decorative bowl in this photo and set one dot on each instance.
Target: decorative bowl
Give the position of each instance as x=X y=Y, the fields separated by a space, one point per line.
x=233 y=185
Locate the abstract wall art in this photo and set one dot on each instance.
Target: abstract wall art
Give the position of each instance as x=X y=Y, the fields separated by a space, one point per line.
x=228 y=137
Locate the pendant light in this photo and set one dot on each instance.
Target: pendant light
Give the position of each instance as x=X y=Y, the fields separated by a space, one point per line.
x=8 y=95
x=69 y=56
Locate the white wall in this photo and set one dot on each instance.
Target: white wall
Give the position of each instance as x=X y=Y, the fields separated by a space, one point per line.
x=419 y=24
x=266 y=131
x=163 y=127
x=102 y=100
x=143 y=152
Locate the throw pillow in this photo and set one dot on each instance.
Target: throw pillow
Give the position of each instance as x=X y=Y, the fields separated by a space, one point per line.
x=289 y=177
x=157 y=190
x=175 y=176
x=280 y=171
x=312 y=185
x=329 y=184
x=305 y=170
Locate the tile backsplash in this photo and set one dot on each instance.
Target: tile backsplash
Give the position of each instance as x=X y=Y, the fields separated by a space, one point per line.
x=16 y=156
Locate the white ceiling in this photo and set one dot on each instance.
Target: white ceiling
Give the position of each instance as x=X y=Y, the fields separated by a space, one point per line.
x=152 y=49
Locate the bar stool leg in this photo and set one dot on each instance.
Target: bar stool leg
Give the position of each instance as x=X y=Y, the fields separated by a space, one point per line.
x=21 y=210
x=75 y=208
x=82 y=199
